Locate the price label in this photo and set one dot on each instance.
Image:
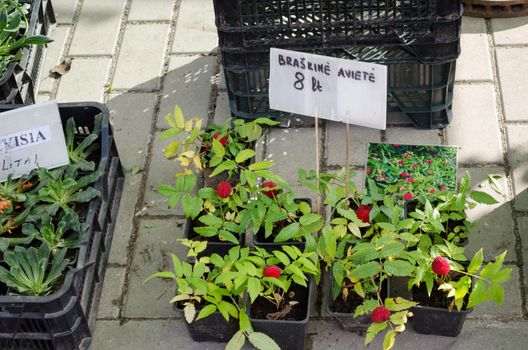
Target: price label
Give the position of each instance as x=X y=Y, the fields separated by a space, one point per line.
x=343 y=90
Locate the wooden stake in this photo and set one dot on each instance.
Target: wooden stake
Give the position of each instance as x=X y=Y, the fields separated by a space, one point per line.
x=317 y=161
x=347 y=156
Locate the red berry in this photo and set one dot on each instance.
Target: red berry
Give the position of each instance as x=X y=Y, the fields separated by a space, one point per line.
x=408 y=196
x=432 y=190
x=368 y=171
x=429 y=161
x=442 y=188
x=396 y=145
x=380 y=314
x=441 y=266
x=403 y=174
x=272 y=271
x=363 y=213
x=414 y=165
x=223 y=140
x=270 y=193
x=430 y=172
x=410 y=180
x=223 y=190
x=401 y=162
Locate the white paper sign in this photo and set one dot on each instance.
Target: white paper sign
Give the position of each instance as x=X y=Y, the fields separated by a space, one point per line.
x=343 y=90
x=31 y=137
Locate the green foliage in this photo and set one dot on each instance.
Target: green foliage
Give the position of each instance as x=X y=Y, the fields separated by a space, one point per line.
x=33 y=271
x=78 y=152
x=14 y=29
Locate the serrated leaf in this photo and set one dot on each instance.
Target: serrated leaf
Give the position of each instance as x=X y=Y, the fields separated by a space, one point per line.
x=261 y=165
x=398 y=304
x=206 y=311
x=366 y=270
x=244 y=155
x=400 y=268
x=262 y=341
x=189 y=311
x=482 y=197
x=373 y=330
x=288 y=233
x=476 y=262
x=389 y=340
x=236 y=342
x=253 y=288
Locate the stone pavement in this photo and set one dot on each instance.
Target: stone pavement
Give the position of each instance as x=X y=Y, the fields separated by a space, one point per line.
x=141 y=57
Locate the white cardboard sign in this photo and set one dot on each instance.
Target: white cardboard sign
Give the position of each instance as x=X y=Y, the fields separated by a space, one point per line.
x=331 y=88
x=31 y=137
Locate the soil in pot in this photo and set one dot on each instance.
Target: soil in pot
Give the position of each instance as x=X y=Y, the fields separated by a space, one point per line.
x=214 y=244
x=437 y=299
x=264 y=309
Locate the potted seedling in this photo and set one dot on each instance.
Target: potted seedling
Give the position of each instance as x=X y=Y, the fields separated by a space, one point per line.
x=219 y=151
x=447 y=290
x=278 y=218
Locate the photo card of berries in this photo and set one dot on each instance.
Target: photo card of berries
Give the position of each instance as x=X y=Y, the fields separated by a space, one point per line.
x=407 y=171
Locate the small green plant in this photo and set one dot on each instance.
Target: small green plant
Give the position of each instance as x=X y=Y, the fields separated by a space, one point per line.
x=58 y=191
x=68 y=233
x=78 y=152
x=33 y=271
x=14 y=27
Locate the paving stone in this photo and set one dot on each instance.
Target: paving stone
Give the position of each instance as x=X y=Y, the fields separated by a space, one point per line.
x=221 y=79
x=475 y=125
x=147 y=334
x=476 y=335
x=85 y=81
x=474 y=62
x=161 y=171
x=195 y=29
x=141 y=57
x=97 y=28
x=508 y=31
x=53 y=56
x=493 y=229
x=222 y=110
x=523 y=232
x=510 y=309
x=156 y=239
x=42 y=98
x=517 y=154
x=412 y=136
x=359 y=140
x=148 y=10
x=112 y=287
x=513 y=78
x=64 y=10
x=188 y=84
x=124 y=221
x=131 y=117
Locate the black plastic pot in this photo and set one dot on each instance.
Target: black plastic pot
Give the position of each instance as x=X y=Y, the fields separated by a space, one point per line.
x=213 y=328
x=438 y=321
x=218 y=247
x=288 y=334
x=271 y=246
x=347 y=319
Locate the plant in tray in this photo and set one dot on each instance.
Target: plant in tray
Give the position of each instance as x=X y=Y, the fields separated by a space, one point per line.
x=33 y=271
x=79 y=152
x=218 y=149
x=14 y=27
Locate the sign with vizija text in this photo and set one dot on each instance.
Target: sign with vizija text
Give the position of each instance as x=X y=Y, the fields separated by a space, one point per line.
x=31 y=137
x=331 y=88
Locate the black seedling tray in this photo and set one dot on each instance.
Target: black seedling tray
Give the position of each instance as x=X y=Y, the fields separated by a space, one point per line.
x=65 y=319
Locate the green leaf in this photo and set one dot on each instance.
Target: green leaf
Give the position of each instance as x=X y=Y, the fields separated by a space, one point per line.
x=373 y=330
x=211 y=220
x=244 y=155
x=224 y=166
x=261 y=165
x=398 y=304
x=266 y=121
x=262 y=341
x=244 y=323
x=191 y=205
x=237 y=341
x=476 y=262
x=391 y=249
x=206 y=311
x=253 y=288
x=288 y=233
x=398 y=268
x=482 y=197
x=228 y=236
x=366 y=270
x=388 y=341
x=282 y=257
x=218 y=149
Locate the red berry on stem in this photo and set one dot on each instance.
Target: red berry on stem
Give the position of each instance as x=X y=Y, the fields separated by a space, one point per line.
x=223 y=140
x=380 y=314
x=403 y=174
x=401 y=162
x=272 y=271
x=363 y=213
x=368 y=171
x=270 y=193
x=410 y=180
x=223 y=190
x=408 y=196
x=441 y=266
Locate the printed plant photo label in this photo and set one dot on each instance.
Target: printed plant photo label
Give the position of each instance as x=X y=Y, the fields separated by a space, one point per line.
x=406 y=171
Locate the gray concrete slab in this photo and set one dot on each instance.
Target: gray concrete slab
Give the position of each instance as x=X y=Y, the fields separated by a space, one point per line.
x=85 y=80
x=513 y=79
x=474 y=62
x=510 y=31
x=195 y=30
x=64 y=10
x=141 y=58
x=111 y=295
x=54 y=53
x=148 y=10
x=156 y=240
x=518 y=158
x=359 y=139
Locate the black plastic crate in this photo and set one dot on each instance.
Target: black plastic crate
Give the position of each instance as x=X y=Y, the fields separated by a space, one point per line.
x=17 y=85
x=65 y=319
x=423 y=92
x=260 y=24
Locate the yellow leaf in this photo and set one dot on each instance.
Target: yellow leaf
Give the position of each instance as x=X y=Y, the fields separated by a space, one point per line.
x=197 y=162
x=184 y=161
x=229 y=216
x=178 y=118
x=187 y=171
x=188 y=125
x=400 y=328
x=188 y=154
x=189 y=311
